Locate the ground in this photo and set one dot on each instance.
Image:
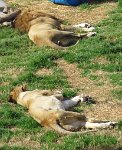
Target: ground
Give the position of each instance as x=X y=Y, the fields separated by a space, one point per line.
x=73 y=15
x=93 y=67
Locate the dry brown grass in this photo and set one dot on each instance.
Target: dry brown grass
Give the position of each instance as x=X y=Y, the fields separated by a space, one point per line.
x=26 y=142
x=107 y=108
x=105 y=111
x=4 y=83
x=100 y=60
x=12 y=72
x=73 y=15
x=43 y=72
x=101 y=93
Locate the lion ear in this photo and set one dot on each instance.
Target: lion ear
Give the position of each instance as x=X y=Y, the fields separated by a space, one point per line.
x=24 y=87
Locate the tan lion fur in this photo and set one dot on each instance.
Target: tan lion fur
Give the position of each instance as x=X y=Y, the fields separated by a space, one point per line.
x=46 y=30
x=23 y=21
x=50 y=109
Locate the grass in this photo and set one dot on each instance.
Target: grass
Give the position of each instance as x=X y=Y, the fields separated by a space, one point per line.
x=19 y=61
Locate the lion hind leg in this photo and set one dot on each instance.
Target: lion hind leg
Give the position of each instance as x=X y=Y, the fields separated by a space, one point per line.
x=98 y=125
x=62 y=131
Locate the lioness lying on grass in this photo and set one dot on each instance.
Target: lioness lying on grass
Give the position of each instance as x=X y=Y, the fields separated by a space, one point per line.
x=51 y=110
x=45 y=29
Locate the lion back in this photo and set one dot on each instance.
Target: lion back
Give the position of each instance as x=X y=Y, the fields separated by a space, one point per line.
x=22 y=22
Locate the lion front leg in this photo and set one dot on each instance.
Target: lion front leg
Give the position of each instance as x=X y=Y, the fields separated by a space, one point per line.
x=76 y=100
x=72 y=102
x=85 y=27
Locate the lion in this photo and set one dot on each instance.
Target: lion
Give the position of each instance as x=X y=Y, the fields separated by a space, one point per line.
x=46 y=30
x=51 y=110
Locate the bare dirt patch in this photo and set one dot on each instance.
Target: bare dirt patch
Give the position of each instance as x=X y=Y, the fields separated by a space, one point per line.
x=25 y=142
x=100 y=60
x=107 y=108
x=101 y=93
x=105 y=111
x=4 y=83
x=71 y=14
x=1 y=144
x=72 y=72
x=44 y=71
x=12 y=72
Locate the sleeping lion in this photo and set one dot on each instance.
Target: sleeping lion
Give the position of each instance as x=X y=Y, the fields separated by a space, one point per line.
x=50 y=109
x=46 y=30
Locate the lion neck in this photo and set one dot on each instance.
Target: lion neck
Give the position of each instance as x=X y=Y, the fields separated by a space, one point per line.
x=21 y=100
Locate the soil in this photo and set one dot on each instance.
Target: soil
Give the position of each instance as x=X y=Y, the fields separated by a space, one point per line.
x=73 y=15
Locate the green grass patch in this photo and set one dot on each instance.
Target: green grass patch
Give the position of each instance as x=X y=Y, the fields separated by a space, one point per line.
x=67 y=92
x=117 y=93
x=116 y=79
x=80 y=142
x=87 y=6
x=49 y=136
x=5 y=147
x=120 y=125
